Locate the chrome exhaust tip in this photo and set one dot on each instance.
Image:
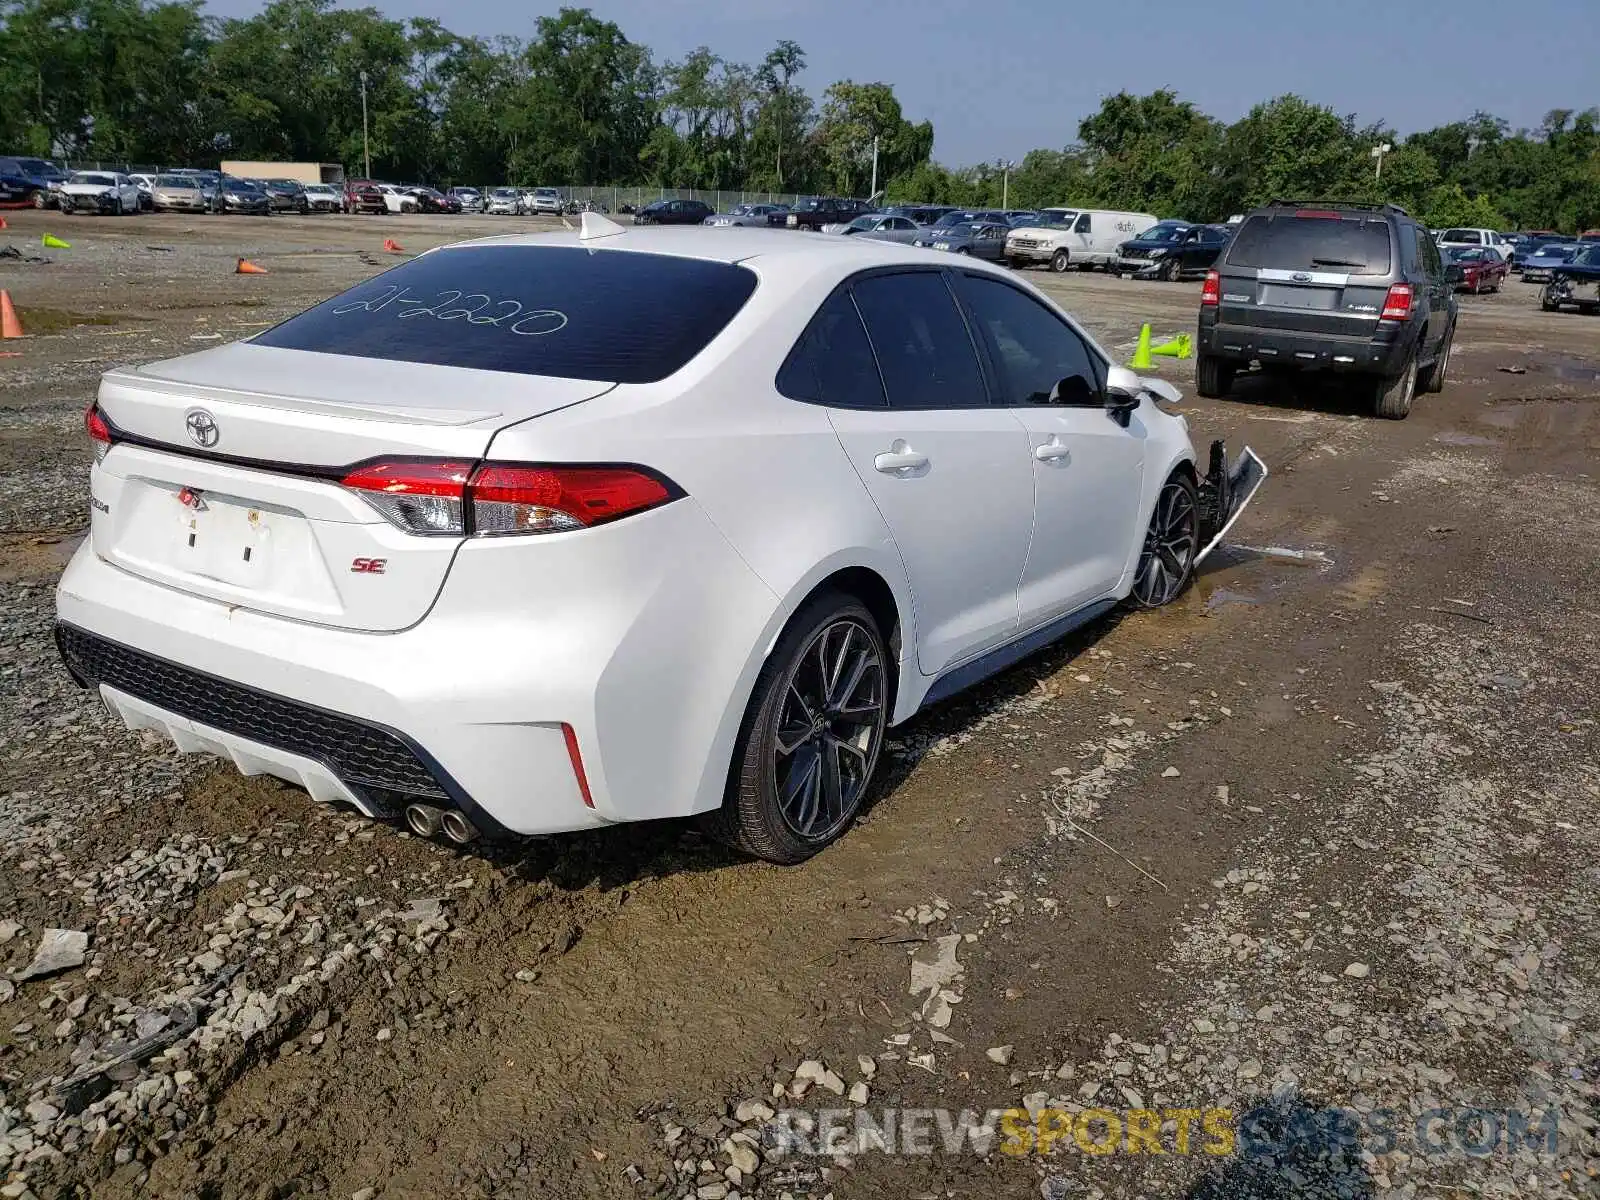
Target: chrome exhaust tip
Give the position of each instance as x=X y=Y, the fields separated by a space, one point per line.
x=457 y=828
x=424 y=820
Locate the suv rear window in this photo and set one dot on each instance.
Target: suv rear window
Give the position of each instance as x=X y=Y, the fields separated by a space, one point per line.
x=575 y=313
x=1357 y=245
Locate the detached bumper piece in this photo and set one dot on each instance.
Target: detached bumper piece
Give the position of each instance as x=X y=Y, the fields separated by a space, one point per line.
x=1225 y=491
x=367 y=759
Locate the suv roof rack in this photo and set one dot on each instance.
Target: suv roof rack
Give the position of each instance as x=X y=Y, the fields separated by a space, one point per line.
x=1358 y=205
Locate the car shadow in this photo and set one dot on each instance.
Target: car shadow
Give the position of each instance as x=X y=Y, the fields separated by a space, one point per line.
x=1336 y=395
x=1289 y=1149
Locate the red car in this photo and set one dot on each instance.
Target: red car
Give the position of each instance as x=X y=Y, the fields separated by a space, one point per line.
x=1482 y=269
x=362 y=195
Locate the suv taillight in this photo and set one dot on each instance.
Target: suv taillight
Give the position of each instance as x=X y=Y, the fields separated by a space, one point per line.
x=436 y=497
x=1397 y=304
x=1211 y=293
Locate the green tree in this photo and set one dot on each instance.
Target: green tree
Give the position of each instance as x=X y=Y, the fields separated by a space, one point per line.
x=854 y=117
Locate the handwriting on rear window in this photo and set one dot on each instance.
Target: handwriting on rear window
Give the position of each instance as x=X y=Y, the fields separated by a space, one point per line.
x=475 y=308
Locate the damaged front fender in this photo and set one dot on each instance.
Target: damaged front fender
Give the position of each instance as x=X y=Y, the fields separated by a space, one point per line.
x=1224 y=492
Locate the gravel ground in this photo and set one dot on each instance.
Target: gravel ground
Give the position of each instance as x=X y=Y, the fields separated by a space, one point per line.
x=1312 y=850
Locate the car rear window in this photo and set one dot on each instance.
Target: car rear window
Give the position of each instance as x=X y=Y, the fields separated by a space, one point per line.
x=1355 y=245
x=570 y=312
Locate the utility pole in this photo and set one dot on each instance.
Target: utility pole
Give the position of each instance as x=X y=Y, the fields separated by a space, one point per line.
x=1005 y=183
x=874 y=189
x=1378 y=152
x=366 y=153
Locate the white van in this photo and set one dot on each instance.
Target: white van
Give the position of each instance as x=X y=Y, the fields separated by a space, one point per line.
x=1065 y=237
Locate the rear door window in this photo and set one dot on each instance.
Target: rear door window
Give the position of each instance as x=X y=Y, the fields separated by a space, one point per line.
x=921 y=340
x=1356 y=245
x=610 y=315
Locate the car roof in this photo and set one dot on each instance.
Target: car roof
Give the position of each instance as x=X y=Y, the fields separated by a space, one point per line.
x=775 y=251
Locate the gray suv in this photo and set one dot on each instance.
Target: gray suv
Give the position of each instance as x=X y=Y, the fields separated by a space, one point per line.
x=1354 y=289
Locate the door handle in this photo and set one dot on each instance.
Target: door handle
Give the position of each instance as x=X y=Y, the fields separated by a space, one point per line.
x=1052 y=451
x=896 y=461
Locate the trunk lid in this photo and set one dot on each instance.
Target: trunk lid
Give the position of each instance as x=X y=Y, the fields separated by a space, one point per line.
x=233 y=493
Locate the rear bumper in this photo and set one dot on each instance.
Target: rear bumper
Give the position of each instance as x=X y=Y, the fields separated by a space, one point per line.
x=605 y=631
x=1243 y=344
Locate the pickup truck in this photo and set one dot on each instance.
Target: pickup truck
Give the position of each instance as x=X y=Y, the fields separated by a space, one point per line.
x=813 y=212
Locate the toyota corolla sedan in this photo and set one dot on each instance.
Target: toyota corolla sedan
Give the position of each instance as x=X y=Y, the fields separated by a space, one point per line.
x=555 y=532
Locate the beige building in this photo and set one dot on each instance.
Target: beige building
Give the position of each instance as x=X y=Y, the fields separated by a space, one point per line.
x=305 y=172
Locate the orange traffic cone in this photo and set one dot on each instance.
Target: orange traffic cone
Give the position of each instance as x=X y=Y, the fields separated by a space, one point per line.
x=3 y=224
x=393 y=247
x=246 y=267
x=10 y=327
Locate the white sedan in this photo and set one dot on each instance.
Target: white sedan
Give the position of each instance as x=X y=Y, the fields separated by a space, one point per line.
x=518 y=538
x=108 y=192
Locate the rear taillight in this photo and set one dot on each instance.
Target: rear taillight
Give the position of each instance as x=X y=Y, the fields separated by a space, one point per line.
x=514 y=499
x=1211 y=292
x=436 y=497
x=1397 y=304
x=423 y=496
x=99 y=431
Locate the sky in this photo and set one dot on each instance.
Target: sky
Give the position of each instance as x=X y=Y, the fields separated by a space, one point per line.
x=1008 y=76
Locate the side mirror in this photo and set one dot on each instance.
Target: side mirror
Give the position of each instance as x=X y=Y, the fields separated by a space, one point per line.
x=1120 y=405
x=1076 y=392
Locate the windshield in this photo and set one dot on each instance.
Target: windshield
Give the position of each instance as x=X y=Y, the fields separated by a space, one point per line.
x=1164 y=231
x=810 y=204
x=1468 y=254
x=175 y=181
x=960 y=229
x=1058 y=216
x=241 y=185
x=90 y=177
x=545 y=192
x=38 y=166
x=1589 y=257
x=864 y=223
x=951 y=219
x=609 y=315
x=1561 y=252
x=1284 y=241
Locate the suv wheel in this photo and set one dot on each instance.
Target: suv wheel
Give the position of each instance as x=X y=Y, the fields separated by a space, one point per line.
x=811 y=736
x=1392 y=397
x=1060 y=261
x=1432 y=379
x=1213 y=377
x=1169 y=271
x=41 y=199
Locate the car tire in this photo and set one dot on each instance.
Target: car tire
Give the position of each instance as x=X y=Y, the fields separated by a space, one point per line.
x=1432 y=378
x=1213 y=377
x=1546 y=303
x=1392 y=395
x=962 y=250
x=41 y=199
x=1169 y=271
x=792 y=693
x=1060 y=261
x=1171 y=542
x=118 y=210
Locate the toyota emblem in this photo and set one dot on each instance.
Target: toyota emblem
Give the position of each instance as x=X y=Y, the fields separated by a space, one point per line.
x=202 y=427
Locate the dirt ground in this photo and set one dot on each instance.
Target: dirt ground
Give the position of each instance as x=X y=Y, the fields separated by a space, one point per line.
x=1309 y=855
